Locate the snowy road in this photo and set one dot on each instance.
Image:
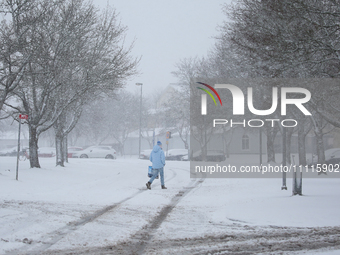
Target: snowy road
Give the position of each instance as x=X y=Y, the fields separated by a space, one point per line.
x=102 y=207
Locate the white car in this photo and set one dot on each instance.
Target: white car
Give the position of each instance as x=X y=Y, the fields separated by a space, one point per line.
x=175 y=154
x=96 y=152
x=72 y=150
x=145 y=154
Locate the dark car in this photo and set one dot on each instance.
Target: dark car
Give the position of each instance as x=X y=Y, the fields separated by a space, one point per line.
x=12 y=152
x=9 y=152
x=212 y=155
x=332 y=157
x=43 y=152
x=335 y=162
x=330 y=165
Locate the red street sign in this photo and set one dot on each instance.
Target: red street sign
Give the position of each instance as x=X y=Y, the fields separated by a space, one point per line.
x=23 y=116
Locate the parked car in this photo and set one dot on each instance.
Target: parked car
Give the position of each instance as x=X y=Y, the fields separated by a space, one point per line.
x=185 y=158
x=335 y=162
x=212 y=155
x=145 y=154
x=9 y=152
x=330 y=164
x=12 y=152
x=43 y=152
x=46 y=152
x=329 y=154
x=176 y=154
x=96 y=152
x=72 y=150
x=332 y=153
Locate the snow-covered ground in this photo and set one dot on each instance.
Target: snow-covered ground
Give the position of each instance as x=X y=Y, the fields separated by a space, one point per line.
x=101 y=206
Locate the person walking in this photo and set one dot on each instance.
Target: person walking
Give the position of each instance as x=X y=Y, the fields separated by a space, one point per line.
x=158 y=162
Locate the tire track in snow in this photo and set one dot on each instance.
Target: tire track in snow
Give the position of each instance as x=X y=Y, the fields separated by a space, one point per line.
x=147 y=233
x=141 y=240
x=262 y=240
x=55 y=236
x=39 y=246
x=254 y=240
x=268 y=241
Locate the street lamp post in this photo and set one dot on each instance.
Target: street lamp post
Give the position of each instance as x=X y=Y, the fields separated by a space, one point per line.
x=140 y=117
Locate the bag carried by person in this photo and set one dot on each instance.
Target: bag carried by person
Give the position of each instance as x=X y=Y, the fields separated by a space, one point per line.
x=150 y=172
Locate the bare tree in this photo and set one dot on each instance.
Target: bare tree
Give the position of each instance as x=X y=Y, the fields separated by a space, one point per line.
x=76 y=55
x=124 y=113
x=101 y=63
x=189 y=72
x=176 y=113
x=38 y=83
x=110 y=119
x=14 y=29
x=290 y=38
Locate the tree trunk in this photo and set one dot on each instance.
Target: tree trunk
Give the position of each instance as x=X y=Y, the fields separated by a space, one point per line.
x=205 y=146
x=270 y=144
x=65 y=148
x=59 y=148
x=59 y=129
x=290 y=132
x=320 y=147
x=120 y=148
x=227 y=150
x=33 y=147
x=204 y=152
x=318 y=131
x=186 y=145
x=122 y=151
x=302 y=146
x=227 y=141
x=297 y=182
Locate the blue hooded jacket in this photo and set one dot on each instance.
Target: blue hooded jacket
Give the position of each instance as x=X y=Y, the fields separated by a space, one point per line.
x=157 y=157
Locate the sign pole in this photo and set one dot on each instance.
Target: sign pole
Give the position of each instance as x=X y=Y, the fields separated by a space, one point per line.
x=21 y=117
x=167 y=142
x=18 y=152
x=284 y=158
x=260 y=138
x=167 y=148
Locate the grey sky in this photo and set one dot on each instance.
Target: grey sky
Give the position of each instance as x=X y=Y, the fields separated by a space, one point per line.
x=166 y=31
